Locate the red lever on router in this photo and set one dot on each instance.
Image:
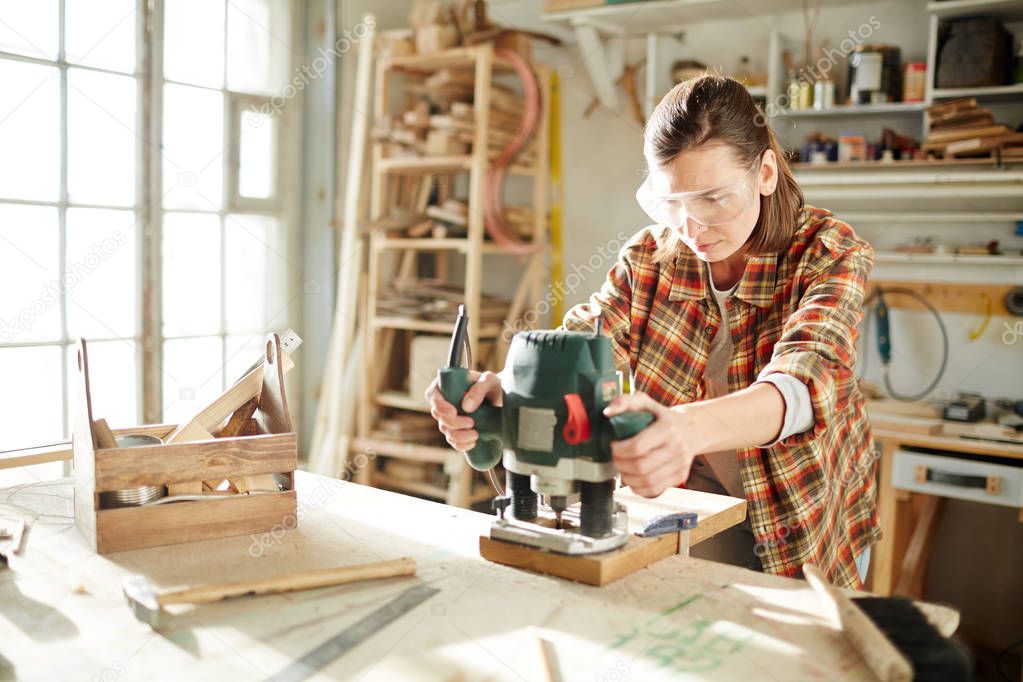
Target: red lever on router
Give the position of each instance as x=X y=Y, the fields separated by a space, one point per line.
x=577 y=428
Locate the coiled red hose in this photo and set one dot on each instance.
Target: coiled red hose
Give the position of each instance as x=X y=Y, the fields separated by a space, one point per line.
x=496 y=222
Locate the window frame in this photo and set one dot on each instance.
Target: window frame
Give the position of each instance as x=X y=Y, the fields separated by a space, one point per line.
x=147 y=209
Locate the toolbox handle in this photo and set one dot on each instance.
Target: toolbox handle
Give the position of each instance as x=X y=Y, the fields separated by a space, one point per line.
x=990 y=484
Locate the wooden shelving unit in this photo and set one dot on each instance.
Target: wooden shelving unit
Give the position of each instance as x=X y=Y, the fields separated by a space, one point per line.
x=394 y=258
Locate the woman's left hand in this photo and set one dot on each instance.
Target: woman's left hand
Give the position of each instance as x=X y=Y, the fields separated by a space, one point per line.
x=659 y=456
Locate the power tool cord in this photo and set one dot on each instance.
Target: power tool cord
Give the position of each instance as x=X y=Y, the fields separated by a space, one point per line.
x=884 y=348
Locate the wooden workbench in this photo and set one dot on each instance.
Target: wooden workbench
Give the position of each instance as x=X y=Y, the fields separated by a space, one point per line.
x=909 y=519
x=62 y=615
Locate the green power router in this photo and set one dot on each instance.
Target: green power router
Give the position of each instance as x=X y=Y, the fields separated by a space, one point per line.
x=551 y=435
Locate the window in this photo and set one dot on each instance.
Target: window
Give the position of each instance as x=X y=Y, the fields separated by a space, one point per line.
x=82 y=141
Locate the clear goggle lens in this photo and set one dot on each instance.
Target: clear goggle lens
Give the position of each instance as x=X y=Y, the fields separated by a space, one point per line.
x=711 y=207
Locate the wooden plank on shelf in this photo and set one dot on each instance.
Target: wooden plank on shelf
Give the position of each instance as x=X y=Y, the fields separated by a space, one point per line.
x=425 y=164
x=421 y=488
x=394 y=448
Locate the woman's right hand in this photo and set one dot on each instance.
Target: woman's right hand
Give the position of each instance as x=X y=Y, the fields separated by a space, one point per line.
x=458 y=429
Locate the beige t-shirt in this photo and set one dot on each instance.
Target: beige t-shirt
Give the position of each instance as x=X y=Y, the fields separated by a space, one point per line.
x=724 y=464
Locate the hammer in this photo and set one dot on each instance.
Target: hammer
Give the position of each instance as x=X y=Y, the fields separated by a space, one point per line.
x=147 y=603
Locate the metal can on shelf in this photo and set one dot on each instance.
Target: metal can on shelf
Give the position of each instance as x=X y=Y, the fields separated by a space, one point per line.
x=823 y=95
x=914 y=82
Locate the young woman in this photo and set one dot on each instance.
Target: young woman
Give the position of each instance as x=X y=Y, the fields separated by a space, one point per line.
x=735 y=316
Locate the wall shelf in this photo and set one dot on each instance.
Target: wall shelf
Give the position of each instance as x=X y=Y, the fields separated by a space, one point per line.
x=667 y=16
x=854 y=217
x=945 y=259
x=831 y=166
x=889 y=109
x=989 y=92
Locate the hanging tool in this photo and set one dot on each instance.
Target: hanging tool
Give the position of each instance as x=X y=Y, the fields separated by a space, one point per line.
x=884 y=340
x=628 y=82
x=147 y=603
x=551 y=436
x=338 y=645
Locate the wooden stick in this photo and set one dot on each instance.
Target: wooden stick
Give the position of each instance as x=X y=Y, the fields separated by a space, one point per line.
x=18 y=537
x=546 y=664
x=877 y=651
x=211 y=416
x=102 y=435
x=325 y=432
x=306 y=580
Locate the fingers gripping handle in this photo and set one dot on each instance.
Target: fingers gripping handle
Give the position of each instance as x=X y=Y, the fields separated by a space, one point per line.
x=628 y=424
x=454 y=382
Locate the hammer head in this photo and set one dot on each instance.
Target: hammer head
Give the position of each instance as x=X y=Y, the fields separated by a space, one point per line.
x=142 y=598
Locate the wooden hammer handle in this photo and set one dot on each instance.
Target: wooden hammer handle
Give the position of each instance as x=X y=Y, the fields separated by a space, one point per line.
x=306 y=580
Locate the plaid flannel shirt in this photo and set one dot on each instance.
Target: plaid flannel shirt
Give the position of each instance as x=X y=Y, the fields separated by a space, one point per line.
x=812 y=496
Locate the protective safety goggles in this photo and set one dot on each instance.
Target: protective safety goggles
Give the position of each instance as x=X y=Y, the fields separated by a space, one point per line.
x=713 y=206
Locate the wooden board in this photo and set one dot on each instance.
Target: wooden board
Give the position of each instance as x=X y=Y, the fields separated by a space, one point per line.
x=972 y=299
x=715 y=514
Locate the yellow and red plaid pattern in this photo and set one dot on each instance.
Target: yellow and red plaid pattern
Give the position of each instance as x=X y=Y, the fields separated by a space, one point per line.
x=812 y=496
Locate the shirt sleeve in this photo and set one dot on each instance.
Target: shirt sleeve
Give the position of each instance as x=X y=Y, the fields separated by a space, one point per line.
x=614 y=302
x=817 y=343
x=798 y=408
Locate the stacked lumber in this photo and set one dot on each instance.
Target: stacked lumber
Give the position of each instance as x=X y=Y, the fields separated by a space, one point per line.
x=432 y=300
x=441 y=122
x=409 y=427
x=961 y=128
x=409 y=471
x=432 y=27
x=521 y=219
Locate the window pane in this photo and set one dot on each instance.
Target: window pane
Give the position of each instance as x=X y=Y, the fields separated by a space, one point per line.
x=100 y=273
x=112 y=382
x=191 y=274
x=100 y=33
x=29 y=28
x=258 y=45
x=193 y=147
x=242 y=351
x=254 y=273
x=193 y=35
x=192 y=376
x=101 y=138
x=257 y=155
x=29 y=275
x=33 y=396
x=29 y=131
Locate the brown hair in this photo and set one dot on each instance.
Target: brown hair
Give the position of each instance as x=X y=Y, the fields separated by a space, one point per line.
x=714 y=109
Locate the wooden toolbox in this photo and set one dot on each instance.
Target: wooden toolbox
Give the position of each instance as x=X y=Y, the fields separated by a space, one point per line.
x=272 y=450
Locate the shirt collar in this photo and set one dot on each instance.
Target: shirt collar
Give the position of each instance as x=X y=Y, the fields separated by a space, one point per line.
x=689 y=279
